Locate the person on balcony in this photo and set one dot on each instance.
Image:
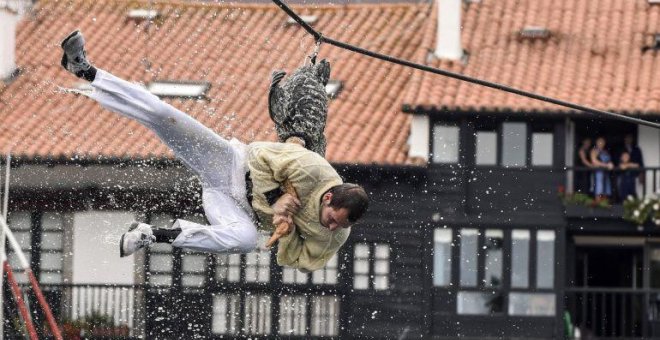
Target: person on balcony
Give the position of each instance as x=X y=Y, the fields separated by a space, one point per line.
x=627 y=183
x=602 y=161
x=583 y=176
x=635 y=154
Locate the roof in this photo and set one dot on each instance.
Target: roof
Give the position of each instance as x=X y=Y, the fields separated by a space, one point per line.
x=235 y=48
x=593 y=57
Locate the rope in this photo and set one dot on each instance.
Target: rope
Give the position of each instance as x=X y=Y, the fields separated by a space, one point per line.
x=324 y=39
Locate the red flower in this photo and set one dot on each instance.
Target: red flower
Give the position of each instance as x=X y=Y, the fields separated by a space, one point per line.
x=561 y=189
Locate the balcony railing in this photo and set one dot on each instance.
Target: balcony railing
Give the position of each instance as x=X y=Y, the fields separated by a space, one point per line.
x=646 y=180
x=615 y=313
x=115 y=311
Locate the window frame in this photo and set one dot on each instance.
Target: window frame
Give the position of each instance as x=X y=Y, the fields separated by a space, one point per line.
x=460 y=125
x=500 y=141
x=497 y=127
x=39 y=218
x=371 y=260
x=32 y=252
x=505 y=288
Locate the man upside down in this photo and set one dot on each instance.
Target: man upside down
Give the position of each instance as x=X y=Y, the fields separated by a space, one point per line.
x=241 y=184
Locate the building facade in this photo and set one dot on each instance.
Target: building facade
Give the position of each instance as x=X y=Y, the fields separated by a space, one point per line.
x=467 y=235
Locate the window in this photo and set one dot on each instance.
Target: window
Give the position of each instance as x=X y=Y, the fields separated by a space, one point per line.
x=545 y=259
x=309 y=19
x=143 y=14
x=257 y=267
x=535 y=32
x=178 y=89
x=477 y=245
x=292 y=275
x=327 y=275
x=325 y=316
x=516 y=140
x=226 y=312
x=486 y=247
x=160 y=255
x=469 y=243
x=361 y=266
x=493 y=264
x=193 y=269
x=442 y=257
x=486 y=148
x=479 y=303
x=309 y=315
x=293 y=315
x=194 y=263
x=20 y=224
x=514 y=144
x=228 y=267
x=371 y=266
x=542 y=148
x=520 y=258
x=381 y=267
x=257 y=316
x=445 y=144
x=484 y=257
x=52 y=242
x=532 y=304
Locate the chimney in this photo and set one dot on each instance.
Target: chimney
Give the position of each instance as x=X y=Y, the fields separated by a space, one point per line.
x=9 y=18
x=448 y=38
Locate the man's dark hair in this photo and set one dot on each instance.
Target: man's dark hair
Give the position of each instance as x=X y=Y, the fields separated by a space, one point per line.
x=352 y=197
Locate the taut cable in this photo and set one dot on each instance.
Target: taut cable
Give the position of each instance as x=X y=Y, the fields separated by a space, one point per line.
x=323 y=39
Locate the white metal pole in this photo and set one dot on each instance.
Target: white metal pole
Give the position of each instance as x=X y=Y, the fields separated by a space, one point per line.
x=5 y=203
x=14 y=244
x=3 y=251
x=33 y=280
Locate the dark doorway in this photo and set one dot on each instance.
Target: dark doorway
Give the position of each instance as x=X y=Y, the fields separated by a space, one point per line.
x=609 y=300
x=609 y=267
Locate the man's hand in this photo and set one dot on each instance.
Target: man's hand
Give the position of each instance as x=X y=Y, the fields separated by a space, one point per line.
x=286 y=205
x=279 y=219
x=283 y=210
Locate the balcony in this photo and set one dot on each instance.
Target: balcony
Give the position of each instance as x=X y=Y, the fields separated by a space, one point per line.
x=582 y=200
x=614 y=313
x=95 y=311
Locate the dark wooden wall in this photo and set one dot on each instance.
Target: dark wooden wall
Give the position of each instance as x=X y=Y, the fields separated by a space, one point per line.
x=407 y=204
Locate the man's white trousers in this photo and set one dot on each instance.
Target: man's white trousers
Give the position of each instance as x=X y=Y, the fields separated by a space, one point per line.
x=220 y=164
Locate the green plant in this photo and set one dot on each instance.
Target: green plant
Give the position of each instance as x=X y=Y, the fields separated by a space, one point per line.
x=642 y=211
x=579 y=198
x=94 y=324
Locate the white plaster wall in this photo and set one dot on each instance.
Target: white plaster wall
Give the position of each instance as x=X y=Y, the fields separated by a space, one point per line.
x=649 y=143
x=96 y=258
x=8 y=21
x=419 y=137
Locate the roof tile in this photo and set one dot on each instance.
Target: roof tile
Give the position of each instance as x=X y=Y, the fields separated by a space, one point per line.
x=234 y=47
x=593 y=57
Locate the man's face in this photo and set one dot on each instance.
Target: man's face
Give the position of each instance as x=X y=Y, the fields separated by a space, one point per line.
x=333 y=218
x=628 y=140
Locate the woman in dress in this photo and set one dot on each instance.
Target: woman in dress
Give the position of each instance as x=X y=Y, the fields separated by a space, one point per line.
x=601 y=160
